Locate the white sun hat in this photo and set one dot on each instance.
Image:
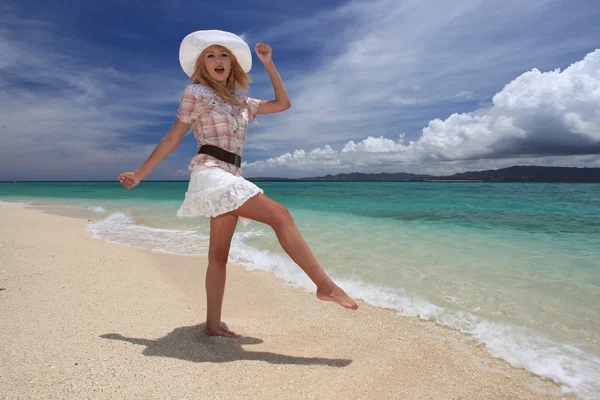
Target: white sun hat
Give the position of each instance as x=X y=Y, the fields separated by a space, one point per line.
x=196 y=42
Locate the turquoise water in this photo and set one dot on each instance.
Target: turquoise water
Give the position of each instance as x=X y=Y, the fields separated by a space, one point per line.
x=515 y=265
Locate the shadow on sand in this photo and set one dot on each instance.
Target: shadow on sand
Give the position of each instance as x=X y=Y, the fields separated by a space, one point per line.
x=190 y=344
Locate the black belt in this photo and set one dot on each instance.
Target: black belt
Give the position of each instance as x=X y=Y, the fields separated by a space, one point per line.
x=221 y=154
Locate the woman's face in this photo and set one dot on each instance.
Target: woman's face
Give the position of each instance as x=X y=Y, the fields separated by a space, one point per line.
x=217 y=63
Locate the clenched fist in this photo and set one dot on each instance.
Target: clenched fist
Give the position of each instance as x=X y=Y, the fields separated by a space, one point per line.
x=263 y=52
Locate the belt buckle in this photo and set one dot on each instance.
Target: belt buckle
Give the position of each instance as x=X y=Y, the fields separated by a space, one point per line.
x=237 y=160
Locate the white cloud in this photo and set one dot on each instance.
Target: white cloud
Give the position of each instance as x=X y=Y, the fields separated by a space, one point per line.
x=369 y=69
x=408 y=101
x=63 y=117
x=539 y=114
x=385 y=66
x=463 y=94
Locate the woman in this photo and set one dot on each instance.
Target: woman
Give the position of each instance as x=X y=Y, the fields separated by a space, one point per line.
x=217 y=63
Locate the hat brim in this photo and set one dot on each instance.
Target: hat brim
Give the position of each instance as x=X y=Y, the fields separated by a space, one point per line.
x=196 y=42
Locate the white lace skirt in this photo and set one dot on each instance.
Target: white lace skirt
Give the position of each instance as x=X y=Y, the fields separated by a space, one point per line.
x=213 y=191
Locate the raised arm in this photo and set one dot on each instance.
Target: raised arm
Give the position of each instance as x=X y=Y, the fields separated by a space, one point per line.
x=282 y=100
x=166 y=146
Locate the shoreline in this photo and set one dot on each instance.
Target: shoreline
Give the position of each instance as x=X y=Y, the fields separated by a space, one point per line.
x=144 y=316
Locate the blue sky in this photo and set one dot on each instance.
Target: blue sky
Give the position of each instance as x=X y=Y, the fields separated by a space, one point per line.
x=87 y=88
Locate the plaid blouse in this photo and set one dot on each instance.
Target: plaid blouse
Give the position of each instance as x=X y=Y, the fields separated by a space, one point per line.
x=216 y=122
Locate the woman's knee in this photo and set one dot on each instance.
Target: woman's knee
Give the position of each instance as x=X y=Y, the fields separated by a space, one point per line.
x=218 y=258
x=281 y=215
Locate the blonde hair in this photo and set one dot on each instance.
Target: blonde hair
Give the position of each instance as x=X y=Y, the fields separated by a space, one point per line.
x=237 y=77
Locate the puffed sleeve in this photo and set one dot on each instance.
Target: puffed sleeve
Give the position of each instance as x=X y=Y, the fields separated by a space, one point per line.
x=252 y=105
x=188 y=107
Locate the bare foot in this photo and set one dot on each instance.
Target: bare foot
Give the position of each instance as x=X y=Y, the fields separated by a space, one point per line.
x=221 y=330
x=337 y=295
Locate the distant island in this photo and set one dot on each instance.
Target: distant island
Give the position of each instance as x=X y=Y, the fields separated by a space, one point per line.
x=511 y=174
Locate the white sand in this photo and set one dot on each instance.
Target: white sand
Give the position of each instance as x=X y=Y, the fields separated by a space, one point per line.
x=86 y=319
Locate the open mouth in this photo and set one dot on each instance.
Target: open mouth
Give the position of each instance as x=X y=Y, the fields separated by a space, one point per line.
x=219 y=70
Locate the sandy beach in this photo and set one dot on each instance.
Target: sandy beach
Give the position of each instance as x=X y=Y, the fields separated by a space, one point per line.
x=87 y=319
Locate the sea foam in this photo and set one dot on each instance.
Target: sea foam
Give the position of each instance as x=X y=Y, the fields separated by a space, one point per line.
x=119 y=228
x=98 y=209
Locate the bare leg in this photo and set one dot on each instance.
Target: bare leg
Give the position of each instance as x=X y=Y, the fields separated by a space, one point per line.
x=261 y=208
x=221 y=233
